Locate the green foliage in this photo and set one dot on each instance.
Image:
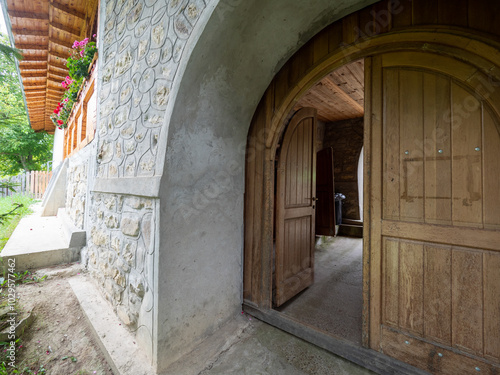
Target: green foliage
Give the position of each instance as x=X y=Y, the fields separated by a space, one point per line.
x=23 y=149
x=6 y=204
x=78 y=64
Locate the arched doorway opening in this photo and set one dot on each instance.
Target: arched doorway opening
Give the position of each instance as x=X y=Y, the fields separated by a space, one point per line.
x=426 y=192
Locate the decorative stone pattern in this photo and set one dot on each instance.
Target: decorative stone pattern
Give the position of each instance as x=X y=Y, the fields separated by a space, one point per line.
x=76 y=191
x=142 y=45
x=121 y=247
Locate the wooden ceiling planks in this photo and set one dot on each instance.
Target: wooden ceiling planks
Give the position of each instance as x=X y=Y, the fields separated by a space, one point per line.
x=45 y=31
x=339 y=95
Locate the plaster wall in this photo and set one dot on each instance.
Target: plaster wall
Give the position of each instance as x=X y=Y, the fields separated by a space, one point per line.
x=58 y=148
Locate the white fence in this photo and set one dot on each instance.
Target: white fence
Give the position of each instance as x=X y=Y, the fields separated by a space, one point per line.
x=29 y=183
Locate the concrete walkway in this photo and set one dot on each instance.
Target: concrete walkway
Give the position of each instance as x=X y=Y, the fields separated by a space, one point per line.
x=263 y=349
x=243 y=346
x=43 y=241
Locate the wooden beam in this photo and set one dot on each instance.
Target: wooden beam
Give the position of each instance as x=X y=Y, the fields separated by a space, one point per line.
x=66 y=9
x=57 y=76
x=25 y=74
x=32 y=66
x=60 y=55
x=61 y=43
x=66 y=28
x=28 y=15
x=342 y=94
x=28 y=32
x=34 y=88
x=28 y=46
x=35 y=58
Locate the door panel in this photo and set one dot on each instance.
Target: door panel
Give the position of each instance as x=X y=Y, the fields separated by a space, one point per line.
x=437 y=232
x=325 y=191
x=295 y=207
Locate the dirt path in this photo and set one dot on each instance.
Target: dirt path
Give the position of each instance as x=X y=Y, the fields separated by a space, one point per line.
x=59 y=341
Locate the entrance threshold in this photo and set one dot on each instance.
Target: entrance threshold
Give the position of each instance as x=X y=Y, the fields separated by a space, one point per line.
x=367 y=358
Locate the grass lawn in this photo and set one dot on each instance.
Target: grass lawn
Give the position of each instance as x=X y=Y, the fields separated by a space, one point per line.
x=6 y=205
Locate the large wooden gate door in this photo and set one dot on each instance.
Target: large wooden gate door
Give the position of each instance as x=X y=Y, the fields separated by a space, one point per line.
x=295 y=207
x=435 y=214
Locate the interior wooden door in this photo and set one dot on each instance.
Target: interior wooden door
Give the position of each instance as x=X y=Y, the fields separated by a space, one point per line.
x=435 y=215
x=325 y=192
x=295 y=207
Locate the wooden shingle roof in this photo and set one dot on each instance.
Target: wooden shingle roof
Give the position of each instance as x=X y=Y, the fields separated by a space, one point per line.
x=45 y=31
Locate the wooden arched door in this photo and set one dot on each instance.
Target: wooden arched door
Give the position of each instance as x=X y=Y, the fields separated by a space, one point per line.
x=295 y=207
x=434 y=213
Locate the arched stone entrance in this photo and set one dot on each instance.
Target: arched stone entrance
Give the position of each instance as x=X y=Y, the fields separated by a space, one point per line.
x=203 y=186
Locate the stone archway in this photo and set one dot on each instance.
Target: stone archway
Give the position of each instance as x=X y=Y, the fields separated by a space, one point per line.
x=200 y=262
x=468 y=57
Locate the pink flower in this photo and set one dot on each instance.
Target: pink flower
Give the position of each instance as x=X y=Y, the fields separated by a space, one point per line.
x=82 y=53
x=93 y=36
x=64 y=84
x=76 y=44
x=66 y=100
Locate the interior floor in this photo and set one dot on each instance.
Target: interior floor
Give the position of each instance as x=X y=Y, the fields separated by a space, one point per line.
x=334 y=302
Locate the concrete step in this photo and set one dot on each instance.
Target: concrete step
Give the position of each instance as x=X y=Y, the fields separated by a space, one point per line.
x=42 y=242
x=350 y=230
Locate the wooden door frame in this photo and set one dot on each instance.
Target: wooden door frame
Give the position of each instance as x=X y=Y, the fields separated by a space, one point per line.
x=458 y=44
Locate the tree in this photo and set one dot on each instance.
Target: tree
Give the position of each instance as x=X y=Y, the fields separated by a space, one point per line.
x=20 y=147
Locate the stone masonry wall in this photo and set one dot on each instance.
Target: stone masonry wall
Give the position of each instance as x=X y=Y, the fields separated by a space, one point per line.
x=121 y=251
x=346 y=138
x=143 y=42
x=76 y=188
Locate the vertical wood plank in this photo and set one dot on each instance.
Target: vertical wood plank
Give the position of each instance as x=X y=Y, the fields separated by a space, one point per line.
x=425 y=12
x=335 y=37
x=411 y=287
x=374 y=79
x=483 y=15
x=411 y=145
x=467 y=297
x=437 y=294
x=391 y=144
x=467 y=160
x=350 y=29
x=281 y=85
x=437 y=149
x=391 y=282
x=452 y=13
x=367 y=237
x=366 y=24
x=382 y=15
x=403 y=18
x=491 y=172
x=492 y=305
x=320 y=45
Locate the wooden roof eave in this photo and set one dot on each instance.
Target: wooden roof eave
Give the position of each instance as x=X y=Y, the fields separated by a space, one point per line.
x=3 y=4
